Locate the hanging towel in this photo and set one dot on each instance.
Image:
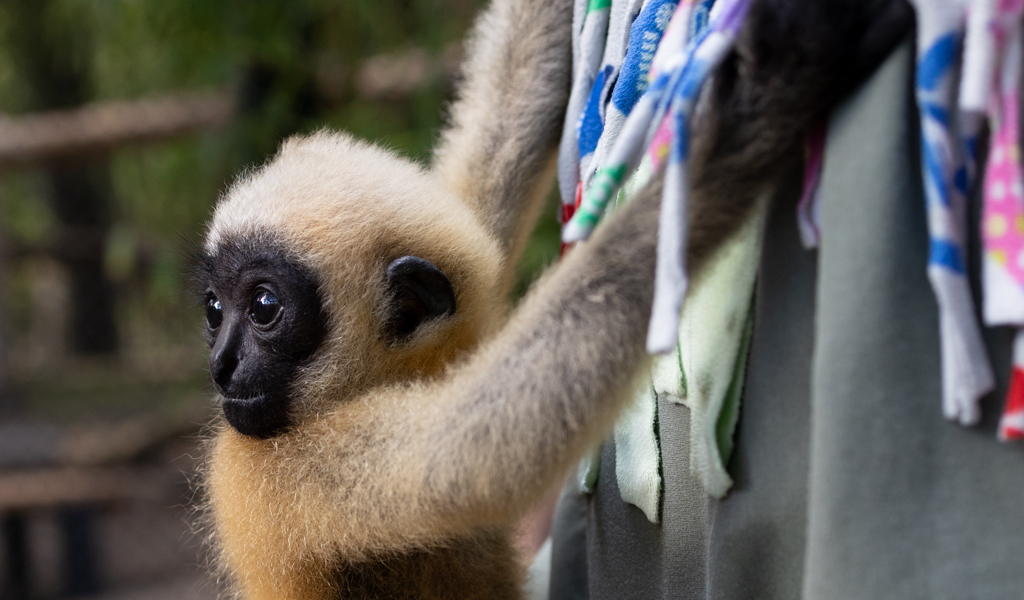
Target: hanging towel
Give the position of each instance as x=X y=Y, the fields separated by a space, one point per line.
x=644 y=35
x=966 y=373
x=713 y=337
x=1003 y=198
x=638 y=454
x=593 y=28
x=1011 y=426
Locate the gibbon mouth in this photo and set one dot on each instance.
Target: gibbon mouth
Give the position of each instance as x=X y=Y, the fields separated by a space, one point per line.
x=249 y=400
x=261 y=416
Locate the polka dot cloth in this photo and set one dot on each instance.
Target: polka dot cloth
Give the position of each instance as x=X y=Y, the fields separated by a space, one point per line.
x=1004 y=196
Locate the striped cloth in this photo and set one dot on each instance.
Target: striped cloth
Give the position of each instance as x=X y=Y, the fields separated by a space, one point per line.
x=678 y=72
x=966 y=373
x=645 y=33
x=587 y=55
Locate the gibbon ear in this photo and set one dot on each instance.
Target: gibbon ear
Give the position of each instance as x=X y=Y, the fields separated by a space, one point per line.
x=417 y=291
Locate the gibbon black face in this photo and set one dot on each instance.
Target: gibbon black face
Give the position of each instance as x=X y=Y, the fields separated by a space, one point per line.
x=264 y=319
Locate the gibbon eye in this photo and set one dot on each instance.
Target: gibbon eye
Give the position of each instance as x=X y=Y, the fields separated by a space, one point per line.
x=265 y=307
x=214 y=313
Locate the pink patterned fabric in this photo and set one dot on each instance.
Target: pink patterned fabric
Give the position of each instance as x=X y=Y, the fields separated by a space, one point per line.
x=1003 y=209
x=1004 y=195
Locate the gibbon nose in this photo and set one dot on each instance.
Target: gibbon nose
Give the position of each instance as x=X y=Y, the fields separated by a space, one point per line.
x=222 y=368
x=224 y=362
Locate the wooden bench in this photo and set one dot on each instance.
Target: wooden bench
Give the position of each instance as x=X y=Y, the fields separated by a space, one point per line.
x=73 y=473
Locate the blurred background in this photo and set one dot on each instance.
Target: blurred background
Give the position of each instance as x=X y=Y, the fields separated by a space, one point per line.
x=120 y=124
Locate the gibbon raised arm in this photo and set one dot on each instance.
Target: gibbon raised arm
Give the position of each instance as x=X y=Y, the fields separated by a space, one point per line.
x=384 y=421
x=498 y=150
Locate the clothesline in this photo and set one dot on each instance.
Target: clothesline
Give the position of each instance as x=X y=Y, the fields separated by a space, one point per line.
x=629 y=115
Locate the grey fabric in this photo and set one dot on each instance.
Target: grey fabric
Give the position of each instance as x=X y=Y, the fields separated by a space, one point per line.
x=568 y=579
x=849 y=483
x=902 y=503
x=686 y=511
x=624 y=549
x=627 y=555
x=757 y=542
x=750 y=545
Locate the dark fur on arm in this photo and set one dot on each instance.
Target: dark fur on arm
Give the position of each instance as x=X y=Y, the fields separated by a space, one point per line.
x=559 y=371
x=530 y=401
x=498 y=151
x=794 y=62
x=416 y=465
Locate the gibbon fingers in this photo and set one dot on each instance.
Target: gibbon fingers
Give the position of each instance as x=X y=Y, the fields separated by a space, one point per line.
x=384 y=420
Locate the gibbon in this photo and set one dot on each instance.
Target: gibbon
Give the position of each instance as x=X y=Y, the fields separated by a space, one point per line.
x=384 y=418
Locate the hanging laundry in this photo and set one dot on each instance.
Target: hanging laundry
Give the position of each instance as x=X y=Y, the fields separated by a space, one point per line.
x=714 y=337
x=1003 y=196
x=670 y=278
x=593 y=31
x=677 y=80
x=715 y=329
x=966 y=373
x=716 y=351
x=1011 y=426
x=808 y=209
x=637 y=450
x=631 y=81
x=627 y=149
x=977 y=76
x=593 y=120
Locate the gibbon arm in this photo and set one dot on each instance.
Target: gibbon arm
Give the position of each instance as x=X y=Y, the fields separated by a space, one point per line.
x=478 y=447
x=406 y=466
x=482 y=445
x=498 y=152
x=794 y=62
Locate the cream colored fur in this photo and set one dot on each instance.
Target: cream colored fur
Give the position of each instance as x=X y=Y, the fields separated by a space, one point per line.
x=406 y=463
x=380 y=489
x=410 y=471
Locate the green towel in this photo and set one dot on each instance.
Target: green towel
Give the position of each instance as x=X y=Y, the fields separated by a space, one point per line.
x=705 y=374
x=714 y=335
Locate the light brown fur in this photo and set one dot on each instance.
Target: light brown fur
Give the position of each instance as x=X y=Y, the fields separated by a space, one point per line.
x=340 y=505
x=410 y=469
x=406 y=463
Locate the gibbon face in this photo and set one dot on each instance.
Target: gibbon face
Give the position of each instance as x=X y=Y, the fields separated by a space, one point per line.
x=264 y=318
x=334 y=269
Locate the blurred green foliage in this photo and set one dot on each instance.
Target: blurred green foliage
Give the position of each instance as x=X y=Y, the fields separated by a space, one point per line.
x=290 y=63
